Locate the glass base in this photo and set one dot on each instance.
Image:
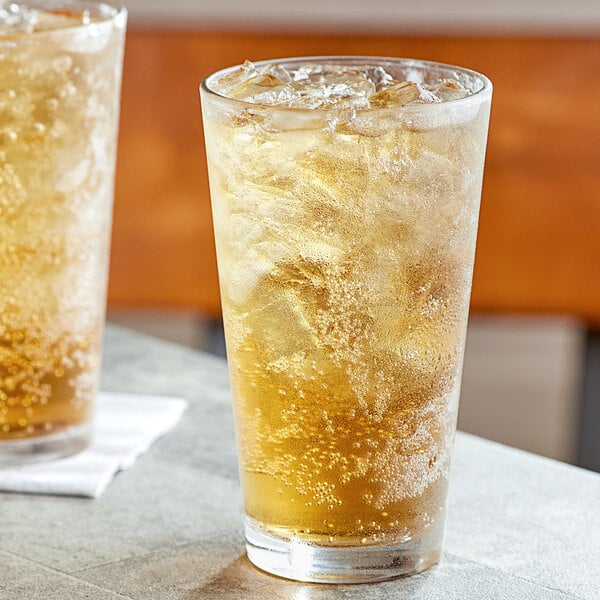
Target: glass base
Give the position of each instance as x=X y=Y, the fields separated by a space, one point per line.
x=14 y=453
x=302 y=561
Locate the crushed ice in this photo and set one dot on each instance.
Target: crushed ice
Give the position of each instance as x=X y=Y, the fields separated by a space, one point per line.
x=316 y=86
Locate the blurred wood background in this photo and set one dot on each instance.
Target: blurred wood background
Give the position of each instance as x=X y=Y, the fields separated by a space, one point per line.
x=539 y=239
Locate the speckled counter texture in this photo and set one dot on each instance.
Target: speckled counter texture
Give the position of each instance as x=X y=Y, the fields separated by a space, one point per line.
x=519 y=527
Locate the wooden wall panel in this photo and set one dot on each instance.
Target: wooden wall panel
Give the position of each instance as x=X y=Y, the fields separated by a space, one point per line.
x=539 y=242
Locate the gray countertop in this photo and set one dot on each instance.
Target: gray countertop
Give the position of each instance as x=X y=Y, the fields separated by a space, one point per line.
x=519 y=526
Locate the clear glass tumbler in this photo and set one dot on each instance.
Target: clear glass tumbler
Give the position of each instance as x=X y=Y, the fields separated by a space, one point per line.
x=345 y=239
x=60 y=77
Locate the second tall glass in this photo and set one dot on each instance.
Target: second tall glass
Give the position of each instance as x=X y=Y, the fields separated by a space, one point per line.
x=60 y=76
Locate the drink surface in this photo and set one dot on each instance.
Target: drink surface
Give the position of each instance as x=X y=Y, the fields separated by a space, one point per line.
x=59 y=74
x=345 y=239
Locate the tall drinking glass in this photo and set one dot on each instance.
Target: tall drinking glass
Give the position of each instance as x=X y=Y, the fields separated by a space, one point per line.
x=345 y=195
x=60 y=75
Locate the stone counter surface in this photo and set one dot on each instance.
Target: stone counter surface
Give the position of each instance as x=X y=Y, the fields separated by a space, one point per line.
x=519 y=526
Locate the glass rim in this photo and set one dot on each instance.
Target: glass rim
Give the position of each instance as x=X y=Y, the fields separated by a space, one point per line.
x=479 y=95
x=107 y=12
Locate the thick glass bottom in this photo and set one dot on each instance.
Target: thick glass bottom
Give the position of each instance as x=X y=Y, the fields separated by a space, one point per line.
x=14 y=453
x=302 y=561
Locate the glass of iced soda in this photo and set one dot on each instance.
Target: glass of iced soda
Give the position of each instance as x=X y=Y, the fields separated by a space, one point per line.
x=345 y=194
x=60 y=75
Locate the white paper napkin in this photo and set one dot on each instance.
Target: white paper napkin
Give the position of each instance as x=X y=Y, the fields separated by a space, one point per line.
x=125 y=426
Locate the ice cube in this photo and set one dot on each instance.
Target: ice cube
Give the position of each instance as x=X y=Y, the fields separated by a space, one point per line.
x=367 y=123
x=400 y=94
x=243 y=278
x=284 y=323
x=447 y=90
x=252 y=255
x=429 y=171
x=50 y=21
x=326 y=85
x=314 y=86
x=277 y=71
x=379 y=77
x=236 y=78
x=263 y=89
x=15 y=18
x=92 y=39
